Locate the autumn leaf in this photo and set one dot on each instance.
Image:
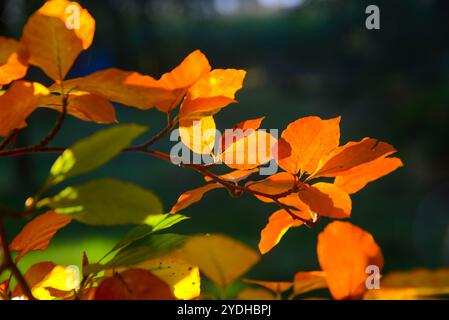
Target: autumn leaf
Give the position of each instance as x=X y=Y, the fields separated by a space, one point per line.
x=239 y=131
x=19 y=101
x=193 y=196
x=344 y=253
x=212 y=92
x=128 y=88
x=38 y=233
x=306 y=281
x=53 y=46
x=250 y=152
x=216 y=256
x=133 y=284
x=351 y=155
x=182 y=276
x=198 y=134
x=49 y=281
x=411 y=285
x=191 y=69
x=278 y=224
x=305 y=142
x=276 y=184
x=326 y=199
x=13 y=60
x=83 y=105
x=358 y=177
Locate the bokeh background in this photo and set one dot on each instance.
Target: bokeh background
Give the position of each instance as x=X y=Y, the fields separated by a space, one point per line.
x=303 y=58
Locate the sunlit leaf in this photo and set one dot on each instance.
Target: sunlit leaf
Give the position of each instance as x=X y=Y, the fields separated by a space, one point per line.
x=344 y=252
x=305 y=142
x=52 y=45
x=193 y=196
x=234 y=176
x=276 y=184
x=358 y=177
x=94 y=151
x=37 y=234
x=216 y=256
x=278 y=224
x=198 y=134
x=18 y=102
x=153 y=223
x=13 y=60
x=105 y=202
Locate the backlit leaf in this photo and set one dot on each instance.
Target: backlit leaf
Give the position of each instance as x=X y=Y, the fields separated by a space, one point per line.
x=53 y=46
x=344 y=252
x=234 y=176
x=105 y=202
x=94 y=151
x=17 y=103
x=13 y=60
x=193 y=196
x=37 y=234
x=220 y=258
x=305 y=142
x=198 y=134
x=358 y=177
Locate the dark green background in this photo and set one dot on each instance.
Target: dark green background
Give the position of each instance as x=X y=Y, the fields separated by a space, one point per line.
x=314 y=59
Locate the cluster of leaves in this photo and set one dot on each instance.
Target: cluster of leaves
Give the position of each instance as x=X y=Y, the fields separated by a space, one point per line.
x=318 y=177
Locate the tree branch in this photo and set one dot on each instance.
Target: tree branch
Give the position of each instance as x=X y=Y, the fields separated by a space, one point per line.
x=8 y=263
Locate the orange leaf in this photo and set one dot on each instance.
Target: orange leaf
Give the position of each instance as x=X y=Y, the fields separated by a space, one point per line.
x=190 y=197
x=344 y=252
x=351 y=155
x=52 y=45
x=194 y=66
x=133 y=284
x=358 y=177
x=240 y=130
x=18 y=102
x=305 y=142
x=250 y=152
x=124 y=87
x=234 y=176
x=273 y=185
x=274 y=286
x=212 y=92
x=198 y=134
x=326 y=199
x=278 y=224
x=37 y=234
x=307 y=281
x=84 y=106
x=13 y=60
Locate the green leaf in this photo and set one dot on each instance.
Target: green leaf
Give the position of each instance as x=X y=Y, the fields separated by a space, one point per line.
x=105 y=202
x=152 y=224
x=94 y=151
x=149 y=247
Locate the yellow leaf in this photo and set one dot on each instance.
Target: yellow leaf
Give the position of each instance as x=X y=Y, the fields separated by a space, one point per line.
x=198 y=134
x=220 y=258
x=411 y=285
x=54 y=39
x=13 y=60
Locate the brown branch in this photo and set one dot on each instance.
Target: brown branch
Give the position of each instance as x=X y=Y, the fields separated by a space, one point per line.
x=9 y=139
x=8 y=263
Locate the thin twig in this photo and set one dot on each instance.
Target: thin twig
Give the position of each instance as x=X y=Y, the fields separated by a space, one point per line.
x=9 y=263
x=9 y=139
